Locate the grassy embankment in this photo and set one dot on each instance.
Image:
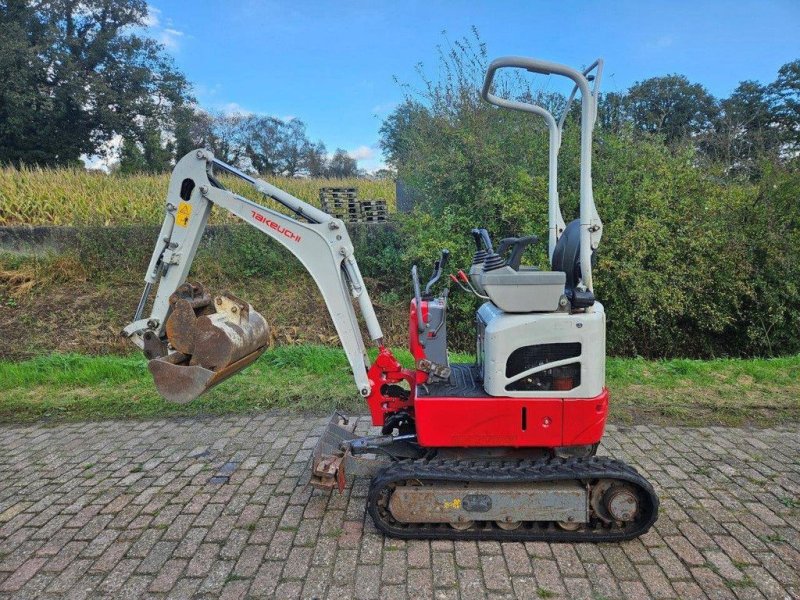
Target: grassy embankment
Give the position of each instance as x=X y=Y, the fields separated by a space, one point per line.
x=317 y=378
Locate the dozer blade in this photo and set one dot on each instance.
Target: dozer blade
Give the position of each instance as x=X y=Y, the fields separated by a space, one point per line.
x=333 y=461
x=212 y=338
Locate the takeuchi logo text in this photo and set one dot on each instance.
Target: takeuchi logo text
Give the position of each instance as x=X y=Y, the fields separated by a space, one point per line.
x=273 y=225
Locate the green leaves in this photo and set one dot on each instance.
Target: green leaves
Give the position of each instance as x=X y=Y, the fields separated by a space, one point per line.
x=75 y=74
x=694 y=260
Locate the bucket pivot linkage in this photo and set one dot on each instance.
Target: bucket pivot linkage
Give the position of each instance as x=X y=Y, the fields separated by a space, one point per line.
x=212 y=338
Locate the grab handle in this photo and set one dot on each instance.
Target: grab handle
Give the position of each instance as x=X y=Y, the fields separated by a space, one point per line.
x=417 y=298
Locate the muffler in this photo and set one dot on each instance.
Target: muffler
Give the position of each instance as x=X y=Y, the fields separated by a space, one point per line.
x=210 y=338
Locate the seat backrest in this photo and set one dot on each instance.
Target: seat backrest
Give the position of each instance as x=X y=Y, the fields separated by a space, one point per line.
x=566 y=255
x=567 y=258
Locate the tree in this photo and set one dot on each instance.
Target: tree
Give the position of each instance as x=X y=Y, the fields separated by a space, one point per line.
x=277 y=147
x=744 y=131
x=757 y=124
x=395 y=139
x=150 y=155
x=131 y=158
x=294 y=147
x=671 y=106
x=228 y=137
x=342 y=165
x=193 y=128
x=786 y=91
x=612 y=111
x=75 y=74
x=316 y=160
x=263 y=137
x=384 y=174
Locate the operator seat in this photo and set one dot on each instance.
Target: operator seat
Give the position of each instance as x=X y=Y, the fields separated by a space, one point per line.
x=518 y=289
x=567 y=258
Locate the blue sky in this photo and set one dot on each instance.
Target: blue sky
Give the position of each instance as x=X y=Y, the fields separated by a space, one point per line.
x=332 y=64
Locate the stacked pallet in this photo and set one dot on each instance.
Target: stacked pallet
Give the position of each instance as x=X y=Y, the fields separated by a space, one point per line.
x=343 y=203
x=373 y=211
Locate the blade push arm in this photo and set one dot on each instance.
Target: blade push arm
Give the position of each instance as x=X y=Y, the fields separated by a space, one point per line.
x=322 y=245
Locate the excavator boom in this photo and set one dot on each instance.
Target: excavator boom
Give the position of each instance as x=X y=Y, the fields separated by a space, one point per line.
x=194 y=339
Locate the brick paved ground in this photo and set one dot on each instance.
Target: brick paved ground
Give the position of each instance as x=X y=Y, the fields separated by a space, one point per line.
x=220 y=507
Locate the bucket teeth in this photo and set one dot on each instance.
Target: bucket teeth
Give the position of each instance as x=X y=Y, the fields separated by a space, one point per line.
x=212 y=338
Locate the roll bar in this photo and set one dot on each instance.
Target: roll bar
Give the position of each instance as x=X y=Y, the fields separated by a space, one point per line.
x=591 y=225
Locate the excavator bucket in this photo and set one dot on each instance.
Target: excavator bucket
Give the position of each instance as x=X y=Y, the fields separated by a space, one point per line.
x=212 y=339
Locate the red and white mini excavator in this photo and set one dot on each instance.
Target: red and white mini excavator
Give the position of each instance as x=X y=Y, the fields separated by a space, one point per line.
x=503 y=448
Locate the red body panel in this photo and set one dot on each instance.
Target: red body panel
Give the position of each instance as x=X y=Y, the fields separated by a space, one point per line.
x=499 y=421
x=485 y=421
x=585 y=419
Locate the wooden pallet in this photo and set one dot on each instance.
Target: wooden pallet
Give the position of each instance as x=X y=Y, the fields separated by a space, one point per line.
x=343 y=203
x=374 y=219
x=374 y=211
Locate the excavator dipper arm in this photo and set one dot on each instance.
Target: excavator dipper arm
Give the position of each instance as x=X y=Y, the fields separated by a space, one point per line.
x=321 y=244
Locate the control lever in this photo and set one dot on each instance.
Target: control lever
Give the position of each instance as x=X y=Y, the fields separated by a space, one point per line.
x=482 y=239
x=417 y=298
x=518 y=249
x=438 y=269
x=505 y=244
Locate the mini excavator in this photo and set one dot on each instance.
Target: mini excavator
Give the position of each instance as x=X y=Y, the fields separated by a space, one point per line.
x=503 y=448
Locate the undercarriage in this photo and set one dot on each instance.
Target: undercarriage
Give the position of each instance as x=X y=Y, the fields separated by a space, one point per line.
x=564 y=495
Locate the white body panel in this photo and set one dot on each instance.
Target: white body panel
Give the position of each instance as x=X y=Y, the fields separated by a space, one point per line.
x=500 y=334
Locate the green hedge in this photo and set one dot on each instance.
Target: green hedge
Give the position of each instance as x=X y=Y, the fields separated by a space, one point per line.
x=692 y=263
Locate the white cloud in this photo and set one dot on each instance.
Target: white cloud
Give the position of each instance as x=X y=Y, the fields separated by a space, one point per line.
x=665 y=41
x=204 y=90
x=153 y=17
x=234 y=108
x=378 y=166
x=362 y=153
x=170 y=38
x=162 y=30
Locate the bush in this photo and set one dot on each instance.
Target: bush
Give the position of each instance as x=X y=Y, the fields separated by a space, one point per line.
x=692 y=263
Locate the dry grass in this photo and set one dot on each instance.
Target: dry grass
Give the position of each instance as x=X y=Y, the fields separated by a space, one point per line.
x=33 y=196
x=37 y=271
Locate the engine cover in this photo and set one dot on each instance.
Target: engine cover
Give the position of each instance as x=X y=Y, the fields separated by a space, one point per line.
x=542 y=355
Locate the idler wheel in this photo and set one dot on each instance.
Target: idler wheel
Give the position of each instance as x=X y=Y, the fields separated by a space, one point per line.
x=621 y=502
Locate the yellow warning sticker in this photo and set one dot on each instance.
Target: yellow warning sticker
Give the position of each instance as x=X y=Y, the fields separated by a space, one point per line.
x=184 y=212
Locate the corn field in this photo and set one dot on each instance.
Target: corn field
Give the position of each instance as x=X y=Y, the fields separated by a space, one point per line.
x=33 y=196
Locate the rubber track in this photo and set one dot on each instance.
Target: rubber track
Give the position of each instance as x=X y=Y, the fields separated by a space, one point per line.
x=516 y=471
